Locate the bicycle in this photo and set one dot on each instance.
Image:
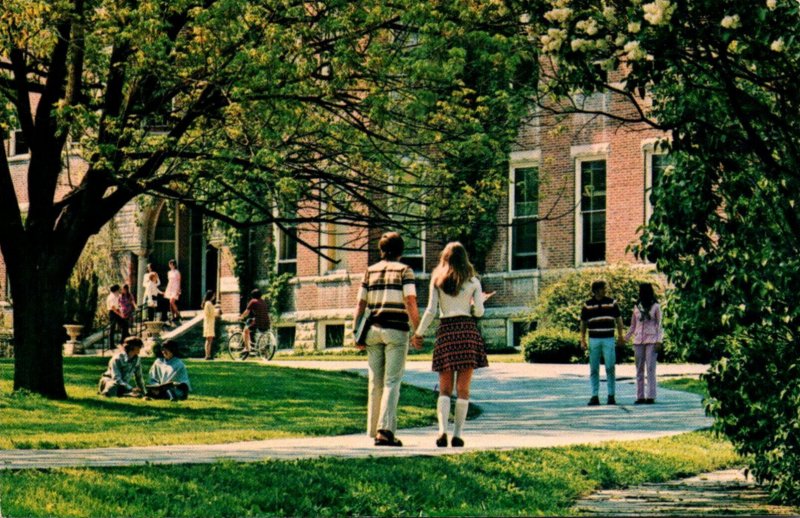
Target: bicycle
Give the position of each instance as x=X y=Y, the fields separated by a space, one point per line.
x=262 y=343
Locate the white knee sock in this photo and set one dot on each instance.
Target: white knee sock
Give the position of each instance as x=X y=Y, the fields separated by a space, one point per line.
x=462 y=405
x=443 y=412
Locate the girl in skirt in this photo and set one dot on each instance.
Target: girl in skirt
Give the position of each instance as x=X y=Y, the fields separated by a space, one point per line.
x=455 y=292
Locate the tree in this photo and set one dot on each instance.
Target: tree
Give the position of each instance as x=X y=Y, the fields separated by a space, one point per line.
x=721 y=77
x=233 y=107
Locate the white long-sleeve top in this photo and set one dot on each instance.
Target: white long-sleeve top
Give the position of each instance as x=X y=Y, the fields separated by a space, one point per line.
x=468 y=302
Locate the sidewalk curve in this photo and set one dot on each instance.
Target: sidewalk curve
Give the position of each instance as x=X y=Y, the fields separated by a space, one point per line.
x=524 y=406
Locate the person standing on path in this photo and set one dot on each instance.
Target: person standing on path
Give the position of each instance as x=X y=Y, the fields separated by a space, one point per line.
x=115 y=318
x=209 y=322
x=648 y=335
x=455 y=293
x=173 y=291
x=388 y=290
x=599 y=316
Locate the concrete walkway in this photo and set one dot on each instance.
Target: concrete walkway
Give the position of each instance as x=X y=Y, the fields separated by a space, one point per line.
x=524 y=406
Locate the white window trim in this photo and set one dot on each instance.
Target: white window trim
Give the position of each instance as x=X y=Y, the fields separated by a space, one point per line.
x=650 y=147
x=518 y=160
x=580 y=154
x=341 y=266
x=278 y=234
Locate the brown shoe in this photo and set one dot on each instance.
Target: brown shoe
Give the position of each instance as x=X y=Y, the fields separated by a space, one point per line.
x=387 y=438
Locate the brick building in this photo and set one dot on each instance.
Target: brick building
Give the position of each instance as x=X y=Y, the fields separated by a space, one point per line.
x=585 y=177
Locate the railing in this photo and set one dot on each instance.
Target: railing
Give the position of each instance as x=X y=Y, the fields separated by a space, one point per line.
x=135 y=327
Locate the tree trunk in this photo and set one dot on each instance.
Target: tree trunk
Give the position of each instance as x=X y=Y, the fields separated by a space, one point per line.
x=38 y=296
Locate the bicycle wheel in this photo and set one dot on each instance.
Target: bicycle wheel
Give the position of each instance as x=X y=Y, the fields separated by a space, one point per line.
x=267 y=345
x=236 y=346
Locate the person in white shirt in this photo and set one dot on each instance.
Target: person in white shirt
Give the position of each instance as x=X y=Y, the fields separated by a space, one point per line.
x=455 y=292
x=123 y=377
x=115 y=318
x=151 y=292
x=168 y=378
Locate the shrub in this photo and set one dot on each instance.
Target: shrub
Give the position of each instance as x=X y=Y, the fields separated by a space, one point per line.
x=552 y=346
x=559 y=304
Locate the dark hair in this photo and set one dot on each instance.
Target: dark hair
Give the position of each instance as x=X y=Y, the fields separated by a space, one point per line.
x=114 y=288
x=173 y=261
x=151 y=266
x=598 y=285
x=132 y=342
x=171 y=346
x=209 y=296
x=454 y=269
x=647 y=297
x=255 y=294
x=126 y=287
x=391 y=246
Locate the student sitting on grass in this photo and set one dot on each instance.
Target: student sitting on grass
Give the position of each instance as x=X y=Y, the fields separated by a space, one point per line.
x=124 y=370
x=169 y=378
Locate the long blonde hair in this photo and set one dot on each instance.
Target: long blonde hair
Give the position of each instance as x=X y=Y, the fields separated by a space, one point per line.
x=454 y=269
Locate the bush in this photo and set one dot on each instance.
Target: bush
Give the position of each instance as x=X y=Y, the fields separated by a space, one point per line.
x=552 y=346
x=559 y=304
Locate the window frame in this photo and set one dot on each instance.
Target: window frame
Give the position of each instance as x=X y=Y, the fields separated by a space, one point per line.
x=520 y=160
x=651 y=148
x=12 y=147
x=279 y=237
x=581 y=154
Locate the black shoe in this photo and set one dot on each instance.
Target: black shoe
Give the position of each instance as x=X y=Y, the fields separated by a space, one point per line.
x=441 y=442
x=387 y=438
x=611 y=400
x=594 y=401
x=457 y=442
x=245 y=355
x=640 y=402
x=649 y=401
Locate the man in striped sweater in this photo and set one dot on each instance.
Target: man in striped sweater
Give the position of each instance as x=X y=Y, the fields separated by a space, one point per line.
x=390 y=294
x=600 y=315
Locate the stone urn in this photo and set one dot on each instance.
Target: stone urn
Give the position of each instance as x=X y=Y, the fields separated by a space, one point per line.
x=73 y=345
x=153 y=330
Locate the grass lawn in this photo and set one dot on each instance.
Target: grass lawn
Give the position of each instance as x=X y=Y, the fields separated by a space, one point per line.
x=520 y=482
x=233 y=401
x=693 y=385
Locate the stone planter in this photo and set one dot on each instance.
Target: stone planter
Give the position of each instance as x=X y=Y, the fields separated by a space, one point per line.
x=153 y=330
x=73 y=345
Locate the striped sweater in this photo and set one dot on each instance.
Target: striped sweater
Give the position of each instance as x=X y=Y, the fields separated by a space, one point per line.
x=385 y=286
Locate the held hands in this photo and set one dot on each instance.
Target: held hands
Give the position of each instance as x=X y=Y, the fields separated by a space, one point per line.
x=416 y=342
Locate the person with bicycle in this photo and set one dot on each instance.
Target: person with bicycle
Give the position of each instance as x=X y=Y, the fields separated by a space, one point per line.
x=256 y=316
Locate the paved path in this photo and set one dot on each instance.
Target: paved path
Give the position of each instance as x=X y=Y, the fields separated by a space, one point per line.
x=724 y=492
x=523 y=406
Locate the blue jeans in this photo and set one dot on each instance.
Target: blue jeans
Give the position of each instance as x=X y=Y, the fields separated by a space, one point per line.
x=606 y=347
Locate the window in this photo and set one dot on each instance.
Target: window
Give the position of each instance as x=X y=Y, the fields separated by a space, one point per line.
x=520 y=329
x=286 y=245
x=19 y=146
x=592 y=219
x=657 y=164
x=414 y=251
x=333 y=237
x=334 y=335
x=524 y=213
x=286 y=337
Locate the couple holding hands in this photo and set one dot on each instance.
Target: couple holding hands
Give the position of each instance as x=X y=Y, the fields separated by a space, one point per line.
x=387 y=302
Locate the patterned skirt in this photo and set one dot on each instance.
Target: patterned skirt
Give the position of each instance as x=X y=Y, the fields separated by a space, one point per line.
x=459 y=345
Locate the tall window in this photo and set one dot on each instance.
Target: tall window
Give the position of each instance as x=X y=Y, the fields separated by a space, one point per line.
x=333 y=238
x=525 y=210
x=413 y=251
x=19 y=146
x=287 y=249
x=593 y=210
x=658 y=163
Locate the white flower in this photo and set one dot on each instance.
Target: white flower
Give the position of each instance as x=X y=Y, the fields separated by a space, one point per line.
x=731 y=22
x=772 y=4
x=588 y=26
x=634 y=51
x=552 y=41
x=580 y=45
x=558 y=15
x=610 y=14
x=778 y=45
x=658 y=12
x=634 y=27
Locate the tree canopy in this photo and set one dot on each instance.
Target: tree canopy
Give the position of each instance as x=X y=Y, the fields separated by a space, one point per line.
x=721 y=77
x=362 y=110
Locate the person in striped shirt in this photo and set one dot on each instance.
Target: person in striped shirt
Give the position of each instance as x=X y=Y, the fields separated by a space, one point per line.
x=388 y=290
x=600 y=316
